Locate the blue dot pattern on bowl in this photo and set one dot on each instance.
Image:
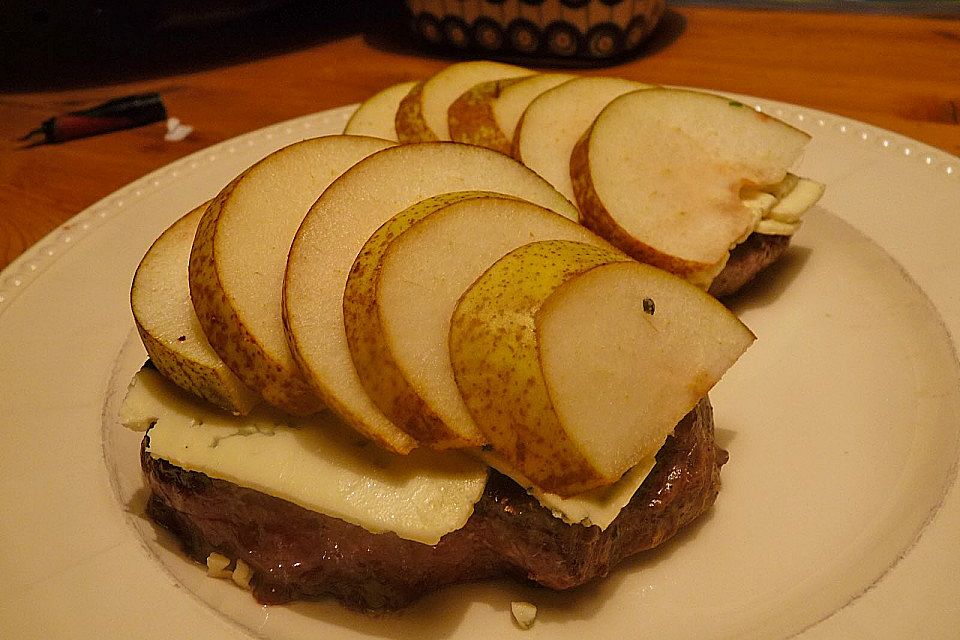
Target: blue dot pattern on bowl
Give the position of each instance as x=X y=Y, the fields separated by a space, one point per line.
x=563 y=29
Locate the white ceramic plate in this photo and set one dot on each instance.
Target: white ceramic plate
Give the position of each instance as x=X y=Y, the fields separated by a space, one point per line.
x=839 y=516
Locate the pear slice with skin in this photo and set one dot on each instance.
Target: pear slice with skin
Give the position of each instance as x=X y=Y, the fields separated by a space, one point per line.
x=333 y=234
x=402 y=292
x=239 y=255
x=661 y=174
x=576 y=363
x=376 y=116
x=487 y=114
x=471 y=120
x=555 y=120
x=422 y=114
x=408 y=120
x=168 y=325
x=378 y=370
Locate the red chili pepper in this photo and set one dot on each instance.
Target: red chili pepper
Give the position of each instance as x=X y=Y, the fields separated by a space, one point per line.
x=113 y=115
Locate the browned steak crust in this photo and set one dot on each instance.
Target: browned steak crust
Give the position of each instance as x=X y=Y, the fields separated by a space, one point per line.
x=299 y=554
x=747 y=259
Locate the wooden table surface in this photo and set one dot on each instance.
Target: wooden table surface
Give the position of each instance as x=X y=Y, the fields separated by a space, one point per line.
x=900 y=73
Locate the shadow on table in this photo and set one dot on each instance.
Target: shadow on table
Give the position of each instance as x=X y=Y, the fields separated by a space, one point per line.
x=52 y=45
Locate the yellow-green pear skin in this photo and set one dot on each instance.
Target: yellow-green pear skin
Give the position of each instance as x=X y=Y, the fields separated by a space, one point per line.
x=493 y=350
x=334 y=231
x=422 y=116
x=239 y=255
x=409 y=122
x=578 y=362
x=471 y=118
x=379 y=372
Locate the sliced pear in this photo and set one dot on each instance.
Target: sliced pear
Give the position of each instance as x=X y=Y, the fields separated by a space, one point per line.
x=402 y=292
x=576 y=363
x=487 y=114
x=379 y=372
x=661 y=175
x=335 y=230
x=471 y=119
x=239 y=255
x=376 y=116
x=514 y=100
x=555 y=120
x=168 y=325
x=408 y=121
x=422 y=114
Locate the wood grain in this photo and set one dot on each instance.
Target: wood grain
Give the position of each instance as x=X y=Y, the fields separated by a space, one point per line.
x=900 y=73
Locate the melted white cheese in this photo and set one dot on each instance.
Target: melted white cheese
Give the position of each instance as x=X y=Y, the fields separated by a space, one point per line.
x=779 y=207
x=317 y=463
x=598 y=506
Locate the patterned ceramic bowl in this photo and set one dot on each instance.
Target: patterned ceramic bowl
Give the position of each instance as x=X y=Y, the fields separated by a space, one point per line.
x=584 y=30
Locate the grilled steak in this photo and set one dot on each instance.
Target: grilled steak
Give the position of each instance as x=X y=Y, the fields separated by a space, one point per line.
x=299 y=554
x=747 y=259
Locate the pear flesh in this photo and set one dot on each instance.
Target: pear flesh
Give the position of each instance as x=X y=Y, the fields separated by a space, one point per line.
x=576 y=363
x=661 y=174
x=488 y=113
x=168 y=325
x=333 y=234
x=376 y=116
x=422 y=114
x=239 y=255
x=555 y=120
x=514 y=99
x=422 y=271
x=380 y=373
